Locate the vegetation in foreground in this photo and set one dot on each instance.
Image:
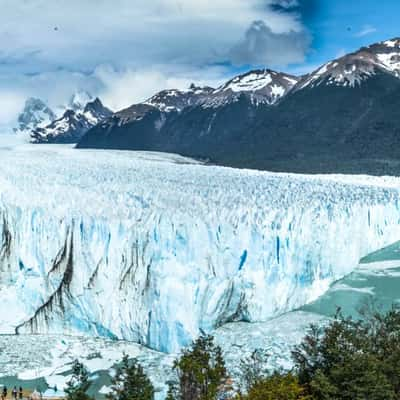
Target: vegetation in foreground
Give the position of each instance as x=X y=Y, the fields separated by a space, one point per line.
x=346 y=360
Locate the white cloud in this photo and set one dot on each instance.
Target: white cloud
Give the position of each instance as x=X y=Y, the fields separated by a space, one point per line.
x=51 y=48
x=126 y=31
x=122 y=88
x=10 y=104
x=366 y=30
x=262 y=46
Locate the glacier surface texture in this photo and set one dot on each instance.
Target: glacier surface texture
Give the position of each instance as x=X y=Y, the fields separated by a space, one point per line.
x=153 y=248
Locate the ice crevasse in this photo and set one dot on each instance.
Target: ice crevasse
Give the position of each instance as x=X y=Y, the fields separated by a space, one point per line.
x=154 y=249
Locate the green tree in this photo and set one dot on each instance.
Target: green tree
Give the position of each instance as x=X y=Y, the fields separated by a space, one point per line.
x=131 y=382
x=201 y=371
x=79 y=383
x=277 y=387
x=352 y=359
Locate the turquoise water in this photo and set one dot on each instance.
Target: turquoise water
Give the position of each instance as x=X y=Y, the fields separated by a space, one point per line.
x=11 y=381
x=374 y=284
x=388 y=253
x=99 y=379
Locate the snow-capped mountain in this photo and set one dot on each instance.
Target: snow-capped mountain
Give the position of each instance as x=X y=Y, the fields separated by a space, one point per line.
x=150 y=115
x=36 y=113
x=260 y=86
x=343 y=117
x=149 y=119
x=354 y=68
x=73 y=124
x=165 y=102
x=177 y=100
x=78 y=100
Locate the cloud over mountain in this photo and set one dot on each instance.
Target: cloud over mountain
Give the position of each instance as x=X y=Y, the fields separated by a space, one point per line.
x=69 y=42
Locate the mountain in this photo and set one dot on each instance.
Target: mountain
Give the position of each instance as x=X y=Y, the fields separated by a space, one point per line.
x=148 y=118
x=343 y=117
x=259 y=86
x=142 y=126
x=354 y=68
x=78 y=100
x=35 y=114
x=73 y=124
x=177 y=100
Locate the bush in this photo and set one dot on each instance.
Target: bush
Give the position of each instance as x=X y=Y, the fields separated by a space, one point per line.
x=351 y=359
x=277 y=387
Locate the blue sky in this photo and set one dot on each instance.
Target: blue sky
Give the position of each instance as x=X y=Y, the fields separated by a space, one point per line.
x=341 y=26
x=125 y=50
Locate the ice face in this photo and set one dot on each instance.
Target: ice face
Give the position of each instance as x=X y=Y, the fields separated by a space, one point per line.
x=152 y=248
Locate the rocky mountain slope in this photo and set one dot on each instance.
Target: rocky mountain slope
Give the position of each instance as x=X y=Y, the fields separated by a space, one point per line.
x=142 y=126
x=343 y=117
x=73 y=124
x=35 y=114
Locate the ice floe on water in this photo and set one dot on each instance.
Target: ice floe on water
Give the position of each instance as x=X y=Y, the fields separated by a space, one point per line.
x=31 y=357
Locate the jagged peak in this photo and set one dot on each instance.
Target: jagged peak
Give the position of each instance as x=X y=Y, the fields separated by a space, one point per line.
x=96 y=105
x=34 y=114
x=72 y=124
x=79 y=100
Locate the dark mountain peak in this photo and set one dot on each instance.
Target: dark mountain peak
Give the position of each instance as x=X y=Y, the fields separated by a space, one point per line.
x=97 y=110
x=68 y=114
x=94 y=103
x=73 y=124
x=200 y=89
x=134 y=112
x=354 y=68
x=176 y=100
x=79 y=100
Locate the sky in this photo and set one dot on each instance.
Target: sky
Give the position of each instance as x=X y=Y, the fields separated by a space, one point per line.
x=126 y=50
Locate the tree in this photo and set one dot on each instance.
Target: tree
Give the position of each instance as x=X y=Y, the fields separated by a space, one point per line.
x=131 y=382
x=277 y=387
x=79 y=383
x=253 y=369
x=352 y=359
x=201 y=371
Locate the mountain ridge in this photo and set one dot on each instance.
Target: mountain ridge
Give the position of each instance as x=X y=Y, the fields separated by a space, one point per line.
x=340 y=118
x=73 y=124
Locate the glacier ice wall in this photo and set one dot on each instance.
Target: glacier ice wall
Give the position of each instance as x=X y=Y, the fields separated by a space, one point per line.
x=152 y=248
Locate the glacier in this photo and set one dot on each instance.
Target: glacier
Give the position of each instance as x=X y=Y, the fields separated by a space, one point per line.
x=155 y=248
